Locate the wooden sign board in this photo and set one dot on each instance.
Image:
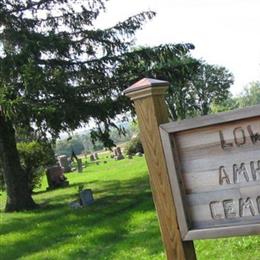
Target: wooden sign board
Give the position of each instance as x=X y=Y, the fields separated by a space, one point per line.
x=214 y=168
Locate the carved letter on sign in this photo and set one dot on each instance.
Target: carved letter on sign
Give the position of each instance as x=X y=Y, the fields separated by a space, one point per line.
x=214 y=163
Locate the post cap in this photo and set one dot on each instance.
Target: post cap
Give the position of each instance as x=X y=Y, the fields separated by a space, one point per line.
x=145 y=83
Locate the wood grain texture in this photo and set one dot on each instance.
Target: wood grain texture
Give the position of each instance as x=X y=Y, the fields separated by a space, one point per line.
x=201 y=159
x=217 y=169
x=151 y=111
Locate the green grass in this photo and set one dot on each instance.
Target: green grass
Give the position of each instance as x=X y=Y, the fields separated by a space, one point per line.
x=122 y=223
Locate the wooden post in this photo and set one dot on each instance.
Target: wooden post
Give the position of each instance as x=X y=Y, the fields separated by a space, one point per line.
x=151 y=110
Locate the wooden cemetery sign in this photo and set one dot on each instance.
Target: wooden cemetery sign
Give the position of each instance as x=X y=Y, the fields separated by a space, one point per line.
x=204 y=172
x=214 y=168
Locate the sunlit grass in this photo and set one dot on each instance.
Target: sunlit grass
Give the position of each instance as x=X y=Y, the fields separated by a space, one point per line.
x=121 y=224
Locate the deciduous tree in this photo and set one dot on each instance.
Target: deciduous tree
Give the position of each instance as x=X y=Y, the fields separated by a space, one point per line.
x=211 y=84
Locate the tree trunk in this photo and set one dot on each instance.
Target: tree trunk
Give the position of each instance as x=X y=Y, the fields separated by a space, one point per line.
x=205 y=109
x=18 y=195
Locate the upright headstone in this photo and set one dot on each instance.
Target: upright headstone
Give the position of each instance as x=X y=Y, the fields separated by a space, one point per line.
x=79 y=165
x=115 y=152
x=92 y=158
x=86 y=197
x=64 y=163
x=119 y=155
x=96 y=156
x=55 y=177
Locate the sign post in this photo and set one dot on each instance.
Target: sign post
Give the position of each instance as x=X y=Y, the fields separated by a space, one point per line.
x=151 y=110
x=204 y=172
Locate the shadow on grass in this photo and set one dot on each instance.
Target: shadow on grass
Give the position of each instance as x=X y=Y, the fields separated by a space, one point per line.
x=56 y=225
x=64 y=188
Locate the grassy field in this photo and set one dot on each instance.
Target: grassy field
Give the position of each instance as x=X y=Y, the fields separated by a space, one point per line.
x=121 y=224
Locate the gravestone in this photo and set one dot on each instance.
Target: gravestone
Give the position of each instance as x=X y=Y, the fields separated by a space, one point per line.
x=79 y=165
x=92 y=158
x=86 y=197
x=55 y=177
x=64 y=163
x=96 y=156
x=119 y=155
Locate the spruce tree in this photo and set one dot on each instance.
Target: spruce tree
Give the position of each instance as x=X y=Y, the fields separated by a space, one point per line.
x=55 y=74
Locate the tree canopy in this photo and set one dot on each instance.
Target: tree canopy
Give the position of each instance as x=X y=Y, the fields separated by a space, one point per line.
x=53 y=63
x=250 y=96
x=211 y=84
x=194 y=84
x=58 y=71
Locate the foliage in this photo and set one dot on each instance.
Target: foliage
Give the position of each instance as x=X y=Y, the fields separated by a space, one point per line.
x=57 y=73
x=82 y=142
x=121 y=224
x=229 y=104
x=194 y=84
x=211 y=85
x=56 y=68
x=201 y=85
x=35 y=157
x=170 y=62
x=250 y=96
x=66 y=146
x=2 y=183
x=134 y=146
x=122 y=137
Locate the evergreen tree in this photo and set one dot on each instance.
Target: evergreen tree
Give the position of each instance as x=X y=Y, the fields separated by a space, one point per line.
x=211 y=85
x=55 y=73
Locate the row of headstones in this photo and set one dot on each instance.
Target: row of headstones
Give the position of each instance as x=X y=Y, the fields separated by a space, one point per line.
x=55 y=174
x=65 y=163
x=117 y=155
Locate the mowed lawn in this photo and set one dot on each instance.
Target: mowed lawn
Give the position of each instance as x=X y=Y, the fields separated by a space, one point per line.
x=121 y=224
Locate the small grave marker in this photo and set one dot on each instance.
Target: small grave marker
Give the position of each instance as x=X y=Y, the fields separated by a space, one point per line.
x=92 y=158
x=118 y=153
x=79 y=165
x=96 y=156
x=86 y=197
